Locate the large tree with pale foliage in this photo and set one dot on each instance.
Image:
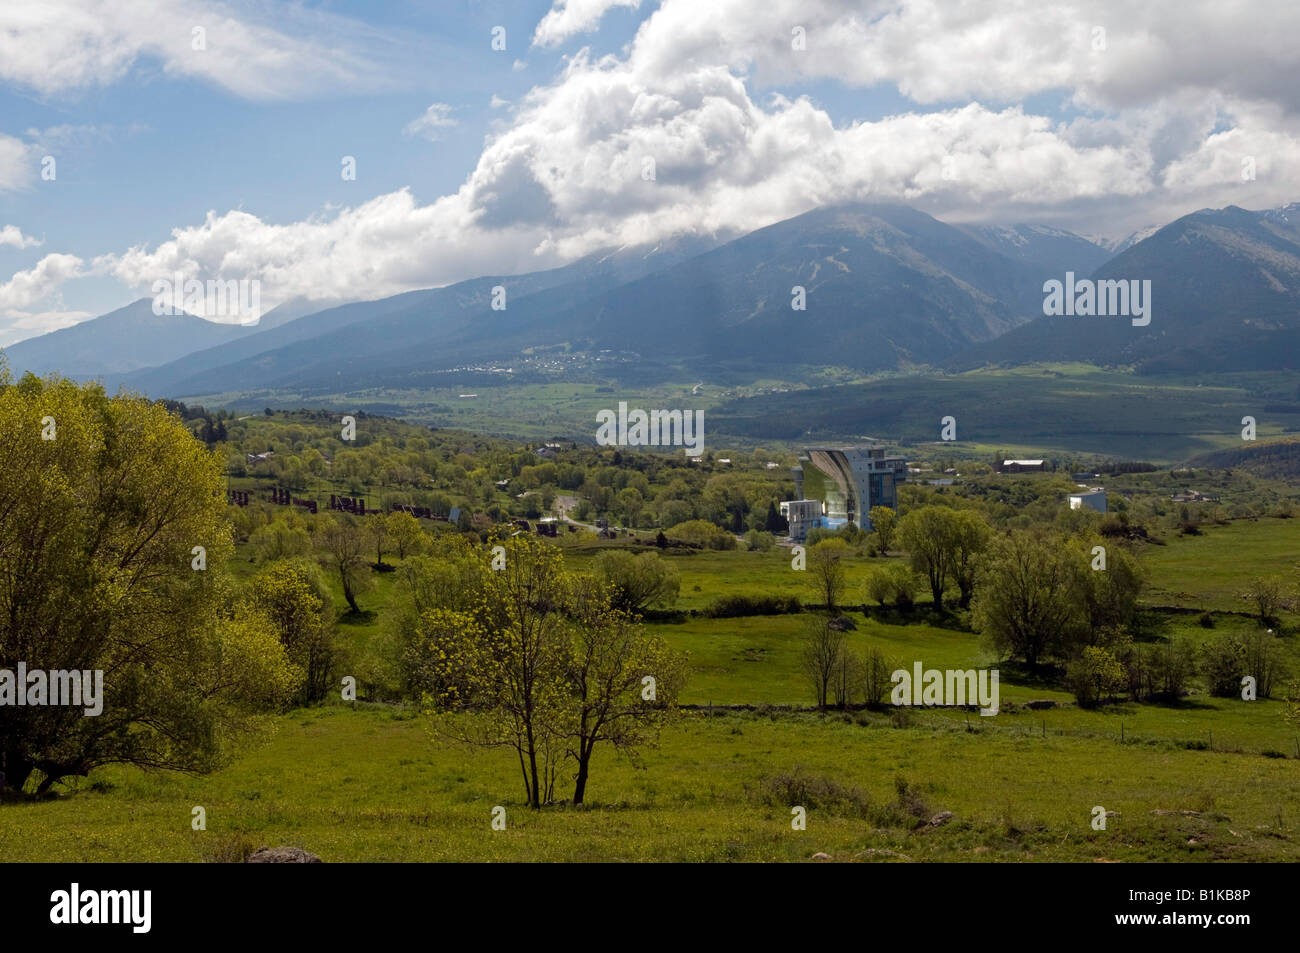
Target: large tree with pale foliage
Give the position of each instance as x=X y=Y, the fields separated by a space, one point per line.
x=944 y=545
x=536 y=660
x=1028 y=602
x=104 y=505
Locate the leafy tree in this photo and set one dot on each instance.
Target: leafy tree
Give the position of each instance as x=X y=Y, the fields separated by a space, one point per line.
x=497 y=668
x=376 y=528
x=283 y=538
x=637 y=582
x=1026 y=605
x=1263 y=658
x=893 y=582
x=905 y=584
x=878 y=586
x=928 y=535
x=822 y=655
x=1265 y=594
x=607 y=663
x=826 y=572
x=630 y=504
x=293 y=597
x=969 y=537
x=345 y=546
x=405 y=533
x=884 y=522
x=103 y=502
x=674 y=512
x=537 y=660
x=1173 y=664
x=704 y=534
x=775 y=523
x=1109 y=597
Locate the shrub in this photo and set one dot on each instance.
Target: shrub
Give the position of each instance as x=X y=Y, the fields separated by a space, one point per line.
x=736 y=606
x=1223 y=664
x=847 y=679
x=909 y=802
x=819 y=534
x=876 y=676
x=704 y=534
x=1095 y=676
x=878 y=586
x=894 y=583
x=1112 y=527
x=798 y=788
x=1262 y=658
x=1172 y=666
x=232 y=848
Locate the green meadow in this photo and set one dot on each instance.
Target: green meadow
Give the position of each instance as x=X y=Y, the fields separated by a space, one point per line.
x=1204 y=779
x=371 y=785
x=1214 y=570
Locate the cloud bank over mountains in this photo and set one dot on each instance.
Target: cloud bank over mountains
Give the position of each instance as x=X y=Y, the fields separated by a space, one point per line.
x=1101 y=116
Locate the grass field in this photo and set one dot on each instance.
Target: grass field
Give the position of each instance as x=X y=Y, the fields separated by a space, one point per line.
x=370 y=782
x=371 y=785
x=1211 y=571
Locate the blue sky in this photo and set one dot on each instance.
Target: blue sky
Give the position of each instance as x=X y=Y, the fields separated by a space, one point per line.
x=154 y=152
x=990 y=112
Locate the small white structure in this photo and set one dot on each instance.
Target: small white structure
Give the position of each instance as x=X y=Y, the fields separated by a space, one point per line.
x=1093 y=499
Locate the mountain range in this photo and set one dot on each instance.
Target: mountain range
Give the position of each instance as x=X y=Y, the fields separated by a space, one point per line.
x=866 y=287
x=1225 y=288
x=133 y=337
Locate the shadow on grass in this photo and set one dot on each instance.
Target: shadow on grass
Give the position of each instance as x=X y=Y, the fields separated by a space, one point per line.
x=945 y=617
x=1043 y=677
x=364 y=617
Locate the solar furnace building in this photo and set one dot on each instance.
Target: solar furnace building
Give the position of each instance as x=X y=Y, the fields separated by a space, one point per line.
x=849 y=481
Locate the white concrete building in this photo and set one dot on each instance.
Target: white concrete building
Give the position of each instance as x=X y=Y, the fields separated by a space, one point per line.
x=1093 y=499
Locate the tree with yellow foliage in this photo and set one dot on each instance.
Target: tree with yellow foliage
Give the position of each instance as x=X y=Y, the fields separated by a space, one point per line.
x=113 y=544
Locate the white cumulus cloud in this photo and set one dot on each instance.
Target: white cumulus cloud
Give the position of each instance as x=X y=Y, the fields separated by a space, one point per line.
x=12 y=235
x=571 y=17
